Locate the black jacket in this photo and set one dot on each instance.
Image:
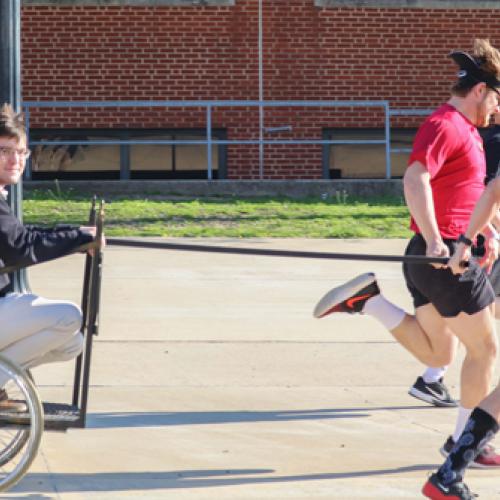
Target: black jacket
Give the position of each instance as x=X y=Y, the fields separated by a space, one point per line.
x=492 y=152
x=25 y=245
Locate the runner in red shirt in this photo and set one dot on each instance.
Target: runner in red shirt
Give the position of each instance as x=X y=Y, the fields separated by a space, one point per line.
x=429 y=387
x=450 y=147
x=444 y=180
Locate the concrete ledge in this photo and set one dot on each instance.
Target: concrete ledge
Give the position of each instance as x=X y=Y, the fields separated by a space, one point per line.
x=144 y=3
x=411 y=4
x=228 y=188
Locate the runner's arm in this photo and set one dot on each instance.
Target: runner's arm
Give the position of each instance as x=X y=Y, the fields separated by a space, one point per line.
x=485 y=210
x=418 y=194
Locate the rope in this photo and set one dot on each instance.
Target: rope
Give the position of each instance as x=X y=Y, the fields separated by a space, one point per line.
x=413 y=259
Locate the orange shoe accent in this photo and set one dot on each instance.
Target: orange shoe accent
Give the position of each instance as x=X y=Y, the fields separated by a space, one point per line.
x=350 y=302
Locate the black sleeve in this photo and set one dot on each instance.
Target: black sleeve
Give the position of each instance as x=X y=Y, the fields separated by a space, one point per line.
x=492 y=153
x=21 y=245
x=58 y=227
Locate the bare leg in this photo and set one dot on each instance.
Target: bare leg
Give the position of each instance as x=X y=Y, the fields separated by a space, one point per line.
x=491 y=404
x=477 y=333
x=427 y=336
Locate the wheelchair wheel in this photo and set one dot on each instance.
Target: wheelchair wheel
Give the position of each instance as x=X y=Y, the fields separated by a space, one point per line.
x=12 y=442
x=21 y=431
x=17 y=438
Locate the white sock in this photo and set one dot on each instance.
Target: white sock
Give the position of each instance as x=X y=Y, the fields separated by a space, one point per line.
x=389 y=314
x=463 y=416
x=434 y=374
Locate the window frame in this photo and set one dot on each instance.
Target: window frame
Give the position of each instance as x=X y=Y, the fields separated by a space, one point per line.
x=329 y=133
x=125 y=172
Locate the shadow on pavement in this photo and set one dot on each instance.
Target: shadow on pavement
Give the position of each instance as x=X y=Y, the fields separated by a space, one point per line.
x=128 y=481
x=157 y=419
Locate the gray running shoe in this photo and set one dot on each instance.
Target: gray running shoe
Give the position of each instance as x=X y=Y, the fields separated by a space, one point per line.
x=349 y=297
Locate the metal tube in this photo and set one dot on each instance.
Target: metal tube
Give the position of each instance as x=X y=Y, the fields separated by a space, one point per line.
x=77 y=380
x=10 y=92
x=209 y=143
x=261 y=97
x=388 y=168
x=202 y=142
x=199 y=104
x=29 y=166
x=10 y=53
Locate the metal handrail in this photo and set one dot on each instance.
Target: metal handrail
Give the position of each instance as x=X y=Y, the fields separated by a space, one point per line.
x=408 y=112
x=209 y=142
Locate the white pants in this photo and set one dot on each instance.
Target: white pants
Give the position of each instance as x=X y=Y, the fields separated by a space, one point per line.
x=34 y=330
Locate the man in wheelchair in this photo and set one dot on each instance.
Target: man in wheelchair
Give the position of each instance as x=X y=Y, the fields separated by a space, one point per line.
x=33 y=330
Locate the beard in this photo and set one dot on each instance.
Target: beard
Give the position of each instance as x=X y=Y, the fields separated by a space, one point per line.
x=483 y=117
x=484 y=112
x=483 y=121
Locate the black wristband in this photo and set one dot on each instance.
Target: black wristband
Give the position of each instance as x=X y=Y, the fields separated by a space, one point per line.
x=463 y=239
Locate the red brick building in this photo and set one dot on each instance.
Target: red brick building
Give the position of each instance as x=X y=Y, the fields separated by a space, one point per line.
x=174 y=50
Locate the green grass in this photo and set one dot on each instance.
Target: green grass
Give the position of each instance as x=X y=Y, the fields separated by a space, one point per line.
x=336 y=217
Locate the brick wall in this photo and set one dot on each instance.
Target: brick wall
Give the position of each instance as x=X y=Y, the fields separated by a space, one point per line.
x=211 y=53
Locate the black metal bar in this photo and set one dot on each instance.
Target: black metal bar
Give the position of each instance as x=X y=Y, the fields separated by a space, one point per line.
x=10 y=92
x=94 y=297
x=413 y=259
x=84 y=305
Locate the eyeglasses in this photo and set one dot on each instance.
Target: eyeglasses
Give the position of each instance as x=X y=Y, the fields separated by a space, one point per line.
x=7 y=152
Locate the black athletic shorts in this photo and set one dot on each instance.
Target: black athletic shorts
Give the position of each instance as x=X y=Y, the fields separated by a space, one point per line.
x=494 y=276
x=449 y=293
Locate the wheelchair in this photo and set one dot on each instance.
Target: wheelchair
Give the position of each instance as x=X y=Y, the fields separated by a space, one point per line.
x=21 y=432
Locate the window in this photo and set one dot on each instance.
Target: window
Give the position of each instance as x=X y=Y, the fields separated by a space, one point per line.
x=124 y=161
x=365 y=161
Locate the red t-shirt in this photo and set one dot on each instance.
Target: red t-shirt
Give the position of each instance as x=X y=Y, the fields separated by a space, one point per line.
x=451 y=149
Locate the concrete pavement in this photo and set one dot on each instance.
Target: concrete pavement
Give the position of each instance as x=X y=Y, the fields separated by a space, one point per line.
x=212 y=381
